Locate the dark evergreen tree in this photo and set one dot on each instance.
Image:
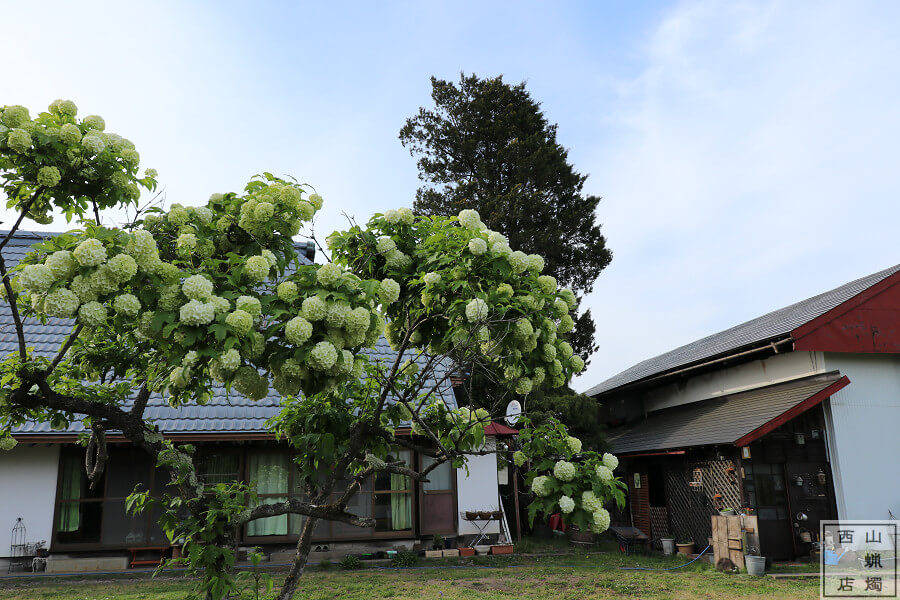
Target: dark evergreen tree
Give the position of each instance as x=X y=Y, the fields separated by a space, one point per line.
x=487 y=145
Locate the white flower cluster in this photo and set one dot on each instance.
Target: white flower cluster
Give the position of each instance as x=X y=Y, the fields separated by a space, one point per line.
x=196 y=312
x=574 y=444
x=240 y=321
x=611 y=461
x=90 y=253
x=329 y=275
x=539 y=485
x=313 y=309
x=323 y=356
x=603 y=473
x=277 y=208
x=590 y=502
x=519 y=458
x=298 y=330
x=402 y=215
x=476 y=310
x=477 y=246
x=257 y=268
x=36 y=278
x=566 y=504
x=288 y=291
x=564 y=470
x=600 y=521
x=389 y=291
x=127 y=305
x=470 y=219
x=197 y=287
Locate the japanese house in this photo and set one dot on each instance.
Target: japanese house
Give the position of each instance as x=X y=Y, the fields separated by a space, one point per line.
x=792 y=416
x=43 y=481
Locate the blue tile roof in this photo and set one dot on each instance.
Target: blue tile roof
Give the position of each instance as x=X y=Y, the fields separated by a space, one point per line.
x=231 y=413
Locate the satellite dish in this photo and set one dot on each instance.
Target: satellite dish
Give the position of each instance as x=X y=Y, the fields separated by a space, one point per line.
x=513 y=412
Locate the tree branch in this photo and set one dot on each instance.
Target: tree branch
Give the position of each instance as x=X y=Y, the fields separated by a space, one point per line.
x=65 y=348
x=330 y=512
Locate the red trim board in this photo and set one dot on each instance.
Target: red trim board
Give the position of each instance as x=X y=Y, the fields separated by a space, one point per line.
x=793 y=411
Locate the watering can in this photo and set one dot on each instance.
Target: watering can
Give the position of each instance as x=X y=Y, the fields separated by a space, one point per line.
x=830 y=557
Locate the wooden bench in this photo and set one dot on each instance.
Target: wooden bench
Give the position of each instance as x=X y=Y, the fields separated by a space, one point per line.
x=135 y=561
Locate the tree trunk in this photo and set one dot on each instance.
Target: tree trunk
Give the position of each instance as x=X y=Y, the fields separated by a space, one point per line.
x=300 y=558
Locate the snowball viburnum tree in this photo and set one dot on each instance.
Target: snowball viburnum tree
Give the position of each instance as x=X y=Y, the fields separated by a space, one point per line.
x=178 y=301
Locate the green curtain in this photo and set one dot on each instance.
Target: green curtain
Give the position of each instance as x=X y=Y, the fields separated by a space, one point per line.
x=70 y=512
x=270 y=472
x=401 y=504
x=220 y=468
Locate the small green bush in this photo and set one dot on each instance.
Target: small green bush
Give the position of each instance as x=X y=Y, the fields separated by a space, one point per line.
x=405 y=560
x=325 y=565
x=351 y=562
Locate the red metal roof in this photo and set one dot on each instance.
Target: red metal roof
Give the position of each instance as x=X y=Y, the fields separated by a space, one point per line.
x=499 y=429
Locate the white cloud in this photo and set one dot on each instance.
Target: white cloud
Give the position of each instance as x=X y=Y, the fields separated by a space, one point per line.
x=751 y=163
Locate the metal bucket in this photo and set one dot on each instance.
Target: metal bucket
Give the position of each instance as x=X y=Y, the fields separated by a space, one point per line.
x=756 y=565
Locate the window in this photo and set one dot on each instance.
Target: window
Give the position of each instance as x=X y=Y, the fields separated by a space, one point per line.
x=764 y=490
x=440 y=478
x=392 y=497
x=99 y=517
x=219 y=468
x=269 y=471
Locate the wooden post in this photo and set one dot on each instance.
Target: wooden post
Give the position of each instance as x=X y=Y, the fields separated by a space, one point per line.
x=515 y=474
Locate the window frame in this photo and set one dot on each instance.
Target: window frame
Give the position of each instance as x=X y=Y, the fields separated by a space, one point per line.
x=102 y=499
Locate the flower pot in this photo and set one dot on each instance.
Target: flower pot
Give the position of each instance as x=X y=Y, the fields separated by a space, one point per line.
x=728 y=513
x=471 y=515
x=578 y=536
x=497 y=514
x=502 y=549
x=482 y=549
x=484 y=514
x=449 y=553
x=434 y=553
x=685 y=548
x=463 y=551
x=756 y=565
x=668 y=545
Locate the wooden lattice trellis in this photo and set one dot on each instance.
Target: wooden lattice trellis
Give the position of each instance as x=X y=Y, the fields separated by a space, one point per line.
x=691 y=506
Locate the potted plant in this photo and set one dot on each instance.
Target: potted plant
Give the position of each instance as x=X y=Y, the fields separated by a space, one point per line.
x=668 y=546
x=727 y=512
x=437 y=547
x=502 y=549
x=466 y=551
x=685 y=546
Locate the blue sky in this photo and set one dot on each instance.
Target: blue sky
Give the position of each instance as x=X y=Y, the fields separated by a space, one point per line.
x=746 y=152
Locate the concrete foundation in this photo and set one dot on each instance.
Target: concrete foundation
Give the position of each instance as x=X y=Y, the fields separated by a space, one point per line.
x=57 y=564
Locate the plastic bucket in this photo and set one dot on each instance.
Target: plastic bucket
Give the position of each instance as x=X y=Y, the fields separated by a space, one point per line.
x=668 y=545
x=756 y=565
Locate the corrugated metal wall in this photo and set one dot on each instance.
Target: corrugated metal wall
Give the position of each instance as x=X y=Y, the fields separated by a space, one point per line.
x=862 y=422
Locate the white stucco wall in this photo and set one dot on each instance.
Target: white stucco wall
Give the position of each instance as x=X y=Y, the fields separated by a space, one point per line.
x=758 y=373
x=862 y=424
x=478 y=490
x=27 y=490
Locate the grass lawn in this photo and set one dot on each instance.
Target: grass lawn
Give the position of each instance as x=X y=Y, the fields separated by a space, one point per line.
x=571 y=575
